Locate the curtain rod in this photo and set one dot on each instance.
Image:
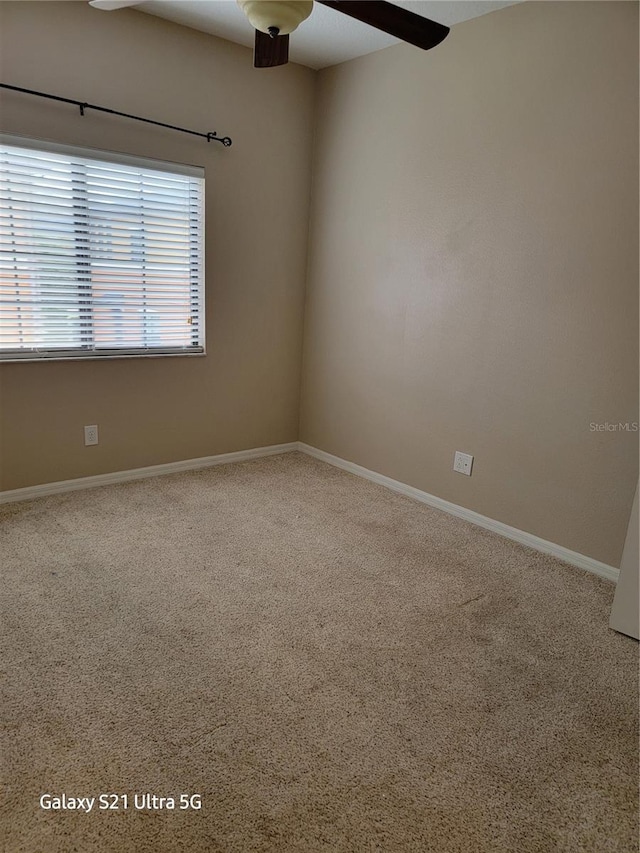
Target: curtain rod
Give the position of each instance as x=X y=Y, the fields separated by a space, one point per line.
x=210 y=137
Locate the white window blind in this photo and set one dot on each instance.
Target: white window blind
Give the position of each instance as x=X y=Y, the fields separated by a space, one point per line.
x=100 y=254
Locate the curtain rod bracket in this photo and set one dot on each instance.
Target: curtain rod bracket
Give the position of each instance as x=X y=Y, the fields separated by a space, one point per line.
x=225 y=139
x=83 y=105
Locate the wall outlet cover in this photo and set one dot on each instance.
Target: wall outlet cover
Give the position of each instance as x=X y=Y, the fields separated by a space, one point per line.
x=463 y=463
x=91 y=435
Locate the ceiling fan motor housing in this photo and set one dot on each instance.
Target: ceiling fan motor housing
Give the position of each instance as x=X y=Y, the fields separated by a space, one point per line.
x=283 y=15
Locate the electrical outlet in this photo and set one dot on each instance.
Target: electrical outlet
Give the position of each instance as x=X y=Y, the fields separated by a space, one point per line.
x=91 y=435
x=462 y=463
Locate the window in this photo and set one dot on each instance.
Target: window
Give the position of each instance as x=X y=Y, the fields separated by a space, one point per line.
x=101 y=255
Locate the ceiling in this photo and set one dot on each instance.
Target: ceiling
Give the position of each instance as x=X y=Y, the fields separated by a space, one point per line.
x=326 y=38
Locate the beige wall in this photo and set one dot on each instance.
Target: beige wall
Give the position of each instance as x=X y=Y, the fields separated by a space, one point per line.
x=473 y=275
x=245 y=392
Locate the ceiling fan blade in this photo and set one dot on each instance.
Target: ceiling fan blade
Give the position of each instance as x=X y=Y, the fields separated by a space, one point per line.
x=110 y=5
x=269 y=52
x=394 y=20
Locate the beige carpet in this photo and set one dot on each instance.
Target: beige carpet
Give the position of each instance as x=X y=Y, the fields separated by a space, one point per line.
x=332 y=666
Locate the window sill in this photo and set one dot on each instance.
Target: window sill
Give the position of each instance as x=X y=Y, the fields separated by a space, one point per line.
x=109 y=357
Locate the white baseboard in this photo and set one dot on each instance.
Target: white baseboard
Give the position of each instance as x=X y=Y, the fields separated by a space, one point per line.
x=528 y=539
x=30 y=492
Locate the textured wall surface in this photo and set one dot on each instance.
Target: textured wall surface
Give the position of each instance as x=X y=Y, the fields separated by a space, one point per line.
x=473 y=278
x=245 y=392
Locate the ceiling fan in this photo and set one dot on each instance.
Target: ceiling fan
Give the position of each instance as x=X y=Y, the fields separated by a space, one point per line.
x=273 y=20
